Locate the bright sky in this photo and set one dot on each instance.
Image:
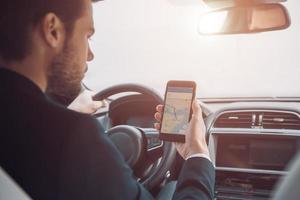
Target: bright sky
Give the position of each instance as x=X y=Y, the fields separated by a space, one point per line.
x=151 y=42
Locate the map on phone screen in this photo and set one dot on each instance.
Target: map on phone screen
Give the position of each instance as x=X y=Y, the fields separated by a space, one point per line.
x=177 y=109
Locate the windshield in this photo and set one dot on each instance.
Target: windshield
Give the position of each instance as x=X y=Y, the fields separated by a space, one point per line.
x=151 y=42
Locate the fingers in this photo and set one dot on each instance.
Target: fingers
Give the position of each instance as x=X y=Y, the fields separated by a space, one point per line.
x=104 y=103
x=97 y=104
x=157 y=126
x=158 y=116
x=159 y=108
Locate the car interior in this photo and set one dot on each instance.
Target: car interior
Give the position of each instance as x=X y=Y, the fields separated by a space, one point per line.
x=243 y=56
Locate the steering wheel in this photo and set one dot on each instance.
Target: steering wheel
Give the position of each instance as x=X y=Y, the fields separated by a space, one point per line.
x=141 y=147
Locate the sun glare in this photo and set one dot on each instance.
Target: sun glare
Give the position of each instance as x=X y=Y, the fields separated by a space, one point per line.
x=212 y=22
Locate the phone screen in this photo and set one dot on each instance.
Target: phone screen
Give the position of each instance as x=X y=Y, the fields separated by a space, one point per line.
x=177 y=109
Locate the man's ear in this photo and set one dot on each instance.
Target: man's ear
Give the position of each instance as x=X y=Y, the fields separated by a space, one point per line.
x=53 y=30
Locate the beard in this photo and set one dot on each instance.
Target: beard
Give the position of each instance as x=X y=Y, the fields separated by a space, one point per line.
x=64 y=77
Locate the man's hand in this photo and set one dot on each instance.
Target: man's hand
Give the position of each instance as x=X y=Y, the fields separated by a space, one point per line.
x=195 y=141
x=84 y=103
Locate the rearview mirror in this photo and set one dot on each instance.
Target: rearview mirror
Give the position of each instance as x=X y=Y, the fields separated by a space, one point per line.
x=246 y=19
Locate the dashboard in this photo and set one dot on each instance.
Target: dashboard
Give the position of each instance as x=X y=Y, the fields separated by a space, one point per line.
x=134 y=110
x=250 y=143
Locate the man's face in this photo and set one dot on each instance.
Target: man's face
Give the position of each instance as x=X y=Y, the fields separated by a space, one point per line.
x=68 y=68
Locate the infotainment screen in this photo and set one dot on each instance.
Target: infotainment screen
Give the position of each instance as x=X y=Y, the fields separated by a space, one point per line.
x=255 y=152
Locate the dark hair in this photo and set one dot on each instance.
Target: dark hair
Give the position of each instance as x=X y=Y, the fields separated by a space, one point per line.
x=18 y=17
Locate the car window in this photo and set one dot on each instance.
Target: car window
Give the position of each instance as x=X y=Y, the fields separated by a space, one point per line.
x=151 y=42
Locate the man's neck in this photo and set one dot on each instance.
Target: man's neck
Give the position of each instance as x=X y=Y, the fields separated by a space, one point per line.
x=30 y=70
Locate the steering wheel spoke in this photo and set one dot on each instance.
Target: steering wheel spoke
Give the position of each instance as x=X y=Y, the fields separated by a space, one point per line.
x=154 y=146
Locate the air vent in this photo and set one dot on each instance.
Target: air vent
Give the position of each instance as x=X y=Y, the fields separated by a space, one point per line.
x=236 y=120
x=280 y=120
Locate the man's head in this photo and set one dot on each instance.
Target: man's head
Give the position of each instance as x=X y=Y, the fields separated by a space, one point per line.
x=55 y=33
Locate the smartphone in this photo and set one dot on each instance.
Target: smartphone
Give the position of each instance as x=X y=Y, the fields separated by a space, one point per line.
x=177 y=110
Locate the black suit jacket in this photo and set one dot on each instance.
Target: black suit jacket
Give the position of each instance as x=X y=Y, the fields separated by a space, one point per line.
x=56 y=153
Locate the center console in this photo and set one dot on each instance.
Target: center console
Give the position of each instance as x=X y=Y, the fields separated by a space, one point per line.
x=255 y=152
x=248 y=164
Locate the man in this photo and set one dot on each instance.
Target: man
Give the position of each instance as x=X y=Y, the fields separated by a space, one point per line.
x=56 y=153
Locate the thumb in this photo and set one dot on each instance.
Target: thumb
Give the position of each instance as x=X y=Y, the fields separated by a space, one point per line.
x=197 y=112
